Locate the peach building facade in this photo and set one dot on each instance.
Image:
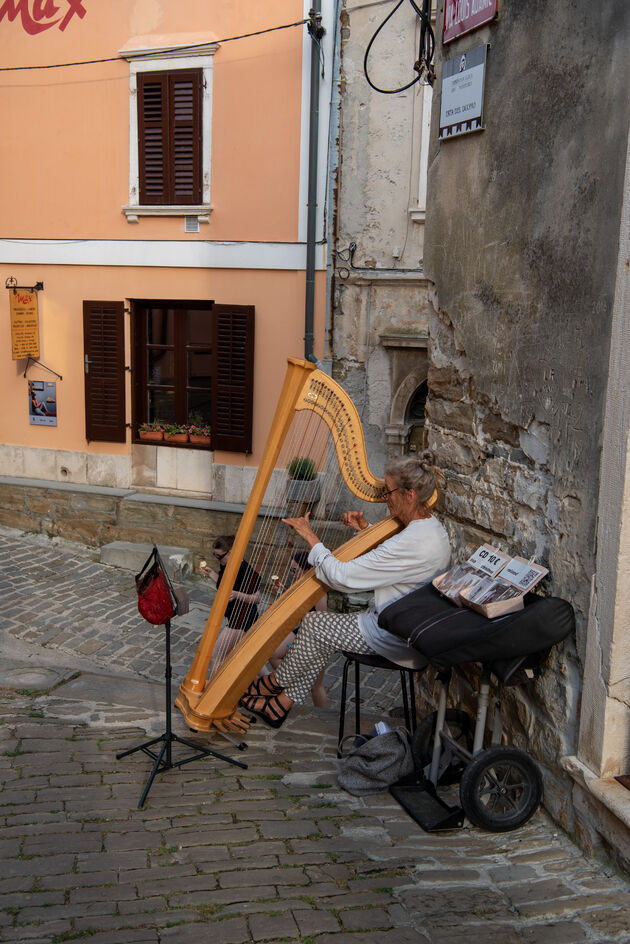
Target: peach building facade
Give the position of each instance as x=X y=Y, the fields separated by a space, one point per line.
x=155 y=181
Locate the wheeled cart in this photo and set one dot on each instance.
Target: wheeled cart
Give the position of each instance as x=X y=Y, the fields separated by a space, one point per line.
x=500 y=787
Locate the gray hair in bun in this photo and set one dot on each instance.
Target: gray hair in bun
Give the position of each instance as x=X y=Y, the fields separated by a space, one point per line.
x=416 y=472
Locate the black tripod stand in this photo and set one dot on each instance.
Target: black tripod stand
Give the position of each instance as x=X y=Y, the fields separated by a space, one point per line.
x=164 y=759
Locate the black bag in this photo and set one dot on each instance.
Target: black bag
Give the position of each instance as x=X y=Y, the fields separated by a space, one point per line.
x=447 y=635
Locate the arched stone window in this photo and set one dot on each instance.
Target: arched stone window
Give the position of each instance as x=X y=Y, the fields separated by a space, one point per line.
x=414 y=418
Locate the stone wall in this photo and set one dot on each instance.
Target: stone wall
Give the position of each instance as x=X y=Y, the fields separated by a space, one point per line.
x=522 y=233
x=96 y=518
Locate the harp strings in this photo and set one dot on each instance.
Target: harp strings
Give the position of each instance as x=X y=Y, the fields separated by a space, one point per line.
x=273 y=544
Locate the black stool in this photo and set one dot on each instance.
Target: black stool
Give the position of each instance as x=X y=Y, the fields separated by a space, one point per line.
x=376 y=662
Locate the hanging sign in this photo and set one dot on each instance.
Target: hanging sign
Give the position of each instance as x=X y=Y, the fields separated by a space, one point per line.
x=462 y=16
x=42 y=403
x=463 y=80
x=24 y=323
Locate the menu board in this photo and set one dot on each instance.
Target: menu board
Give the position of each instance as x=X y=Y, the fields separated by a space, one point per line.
x=24 y=324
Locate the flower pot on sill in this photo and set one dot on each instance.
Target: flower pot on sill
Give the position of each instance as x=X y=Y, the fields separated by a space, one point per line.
x=199 y=440
x=151 y=435
x=303 y=490
x=176 y=437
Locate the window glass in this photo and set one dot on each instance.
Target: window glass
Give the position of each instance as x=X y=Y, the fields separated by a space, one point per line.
x=199 y=368
x=161 y=405
x=160 y=326
x=198 y=406
x=160 y=366
x=199 y=326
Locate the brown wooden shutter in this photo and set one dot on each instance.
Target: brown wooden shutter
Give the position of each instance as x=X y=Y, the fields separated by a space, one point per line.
x=104 y=349
x=153 y=138
x=185 y=138
x=169 y=138
x=233 y=377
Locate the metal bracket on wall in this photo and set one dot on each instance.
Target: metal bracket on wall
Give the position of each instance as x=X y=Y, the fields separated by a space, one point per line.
x=33 y=360
x=11 y=283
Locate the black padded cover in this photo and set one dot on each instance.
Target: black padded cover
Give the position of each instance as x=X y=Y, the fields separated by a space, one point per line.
x=448 y=635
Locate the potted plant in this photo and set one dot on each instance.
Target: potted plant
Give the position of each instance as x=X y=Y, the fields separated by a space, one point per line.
x=199 y=433
x=151 y=432
x=303 y=488
x=176 y=432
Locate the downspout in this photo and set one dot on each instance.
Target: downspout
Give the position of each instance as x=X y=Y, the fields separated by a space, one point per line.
x=316 y=31
x=331 y=184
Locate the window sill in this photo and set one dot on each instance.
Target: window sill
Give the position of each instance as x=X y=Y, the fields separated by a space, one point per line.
x=201 y=212
x=171 y=445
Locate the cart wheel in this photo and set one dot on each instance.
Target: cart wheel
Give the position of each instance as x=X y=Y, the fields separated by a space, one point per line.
x=500 y=789
x=462 y=729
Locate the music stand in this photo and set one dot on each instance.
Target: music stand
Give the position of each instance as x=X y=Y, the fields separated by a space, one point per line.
x=164 y=758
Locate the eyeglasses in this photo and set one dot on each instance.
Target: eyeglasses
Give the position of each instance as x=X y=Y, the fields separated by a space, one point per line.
x=219 y=556
x=385 y=494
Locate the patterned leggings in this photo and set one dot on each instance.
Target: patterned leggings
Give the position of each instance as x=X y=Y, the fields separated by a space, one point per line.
x=321 y=634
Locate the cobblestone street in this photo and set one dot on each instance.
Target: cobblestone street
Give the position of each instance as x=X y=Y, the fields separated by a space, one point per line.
x=273 y=853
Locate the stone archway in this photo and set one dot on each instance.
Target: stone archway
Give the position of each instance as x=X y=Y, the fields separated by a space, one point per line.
x=409 y=361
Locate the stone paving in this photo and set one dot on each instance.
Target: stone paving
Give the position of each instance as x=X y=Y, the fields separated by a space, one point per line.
x=273 y=853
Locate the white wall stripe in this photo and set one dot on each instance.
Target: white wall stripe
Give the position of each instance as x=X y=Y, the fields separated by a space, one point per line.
x=163 y=253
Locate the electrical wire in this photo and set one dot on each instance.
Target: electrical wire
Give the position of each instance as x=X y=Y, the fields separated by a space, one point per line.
x=152 y=53
x=425 y=51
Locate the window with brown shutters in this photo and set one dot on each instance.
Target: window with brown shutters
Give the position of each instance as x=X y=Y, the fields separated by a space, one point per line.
x=169 y=137
x=104 y=366
x=193 y=363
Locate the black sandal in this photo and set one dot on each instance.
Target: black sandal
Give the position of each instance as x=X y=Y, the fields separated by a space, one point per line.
x=262 y=687
x=272 y=712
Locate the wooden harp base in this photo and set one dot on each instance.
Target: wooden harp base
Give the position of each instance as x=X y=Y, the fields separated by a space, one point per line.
x=236 y=723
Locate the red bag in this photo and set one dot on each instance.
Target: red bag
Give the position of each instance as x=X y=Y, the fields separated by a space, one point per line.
x=156 y=598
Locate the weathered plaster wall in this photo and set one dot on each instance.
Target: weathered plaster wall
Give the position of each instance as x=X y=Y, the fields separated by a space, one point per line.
x=379 y=289
x=522 y=241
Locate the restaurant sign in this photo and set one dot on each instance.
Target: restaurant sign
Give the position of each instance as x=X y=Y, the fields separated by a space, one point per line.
x=24 y=323
x=462 y=16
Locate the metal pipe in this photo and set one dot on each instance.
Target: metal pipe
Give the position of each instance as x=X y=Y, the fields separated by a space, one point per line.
x=316 y=31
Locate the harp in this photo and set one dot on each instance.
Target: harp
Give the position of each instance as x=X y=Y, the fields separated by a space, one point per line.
x=334 y=429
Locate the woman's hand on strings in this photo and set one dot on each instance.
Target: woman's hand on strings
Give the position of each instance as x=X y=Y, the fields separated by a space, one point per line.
x=302 y=527
x=356 y=520
x=244 y=597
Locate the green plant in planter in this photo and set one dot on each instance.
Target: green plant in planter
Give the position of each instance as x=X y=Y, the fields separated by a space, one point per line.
x=199 y=429
x=302 y=469
x=154 y=426
x=175 y=429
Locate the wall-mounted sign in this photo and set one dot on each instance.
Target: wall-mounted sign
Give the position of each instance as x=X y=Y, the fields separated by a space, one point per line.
x=24 y=323
x=42 y=403
x=37 y=17
x=463 y=80
x=462 y=16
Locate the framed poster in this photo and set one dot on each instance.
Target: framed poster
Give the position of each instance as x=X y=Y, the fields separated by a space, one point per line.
x=42 y=403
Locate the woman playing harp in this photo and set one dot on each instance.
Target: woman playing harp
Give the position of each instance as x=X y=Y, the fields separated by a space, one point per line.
x=314 y=418
x=398 y=565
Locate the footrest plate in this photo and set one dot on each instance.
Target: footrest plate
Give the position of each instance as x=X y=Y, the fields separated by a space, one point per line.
x=419 y=798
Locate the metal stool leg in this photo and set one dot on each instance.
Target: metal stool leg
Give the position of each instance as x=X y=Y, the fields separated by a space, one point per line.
x=357 y=699
x=342 y=709
x=403 y=685
x=412 y=694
